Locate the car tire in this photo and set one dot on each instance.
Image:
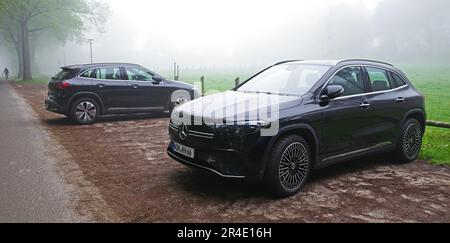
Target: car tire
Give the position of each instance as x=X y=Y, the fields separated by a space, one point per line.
x=288 y=167
x=85 y=111
x=410 y=141
x=172 y=107
x=179 y=101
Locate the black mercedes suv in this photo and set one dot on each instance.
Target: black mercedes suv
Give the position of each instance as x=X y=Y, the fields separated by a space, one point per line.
x=86 y=92
x=297 y=116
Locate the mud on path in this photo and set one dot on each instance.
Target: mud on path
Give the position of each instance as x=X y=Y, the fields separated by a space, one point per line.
x=125 y=159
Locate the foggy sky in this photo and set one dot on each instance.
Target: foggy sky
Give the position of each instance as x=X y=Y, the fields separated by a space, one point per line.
x=206 y=33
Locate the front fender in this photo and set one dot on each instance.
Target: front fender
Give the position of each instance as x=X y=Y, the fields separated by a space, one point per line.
x=290 y=129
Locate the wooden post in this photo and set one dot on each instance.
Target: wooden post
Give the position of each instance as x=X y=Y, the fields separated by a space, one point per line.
x=438 y=124
x=202 y=81
x=237 y=81
x=175 y=70
x=178 y=73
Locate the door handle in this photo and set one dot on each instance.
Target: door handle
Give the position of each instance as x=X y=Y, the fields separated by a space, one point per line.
x=400 y=99
x=135 y=86
x=365 y=105
x=101 y=86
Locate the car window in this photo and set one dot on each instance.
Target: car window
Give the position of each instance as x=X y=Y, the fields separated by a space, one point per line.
x=399 y=82
x=109 y=73
x=66 y=74
x=378 y=79
x=92 y=73
x=138 y=74
x=351 y=78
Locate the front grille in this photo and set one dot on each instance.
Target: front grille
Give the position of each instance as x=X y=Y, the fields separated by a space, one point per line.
x=194 y=131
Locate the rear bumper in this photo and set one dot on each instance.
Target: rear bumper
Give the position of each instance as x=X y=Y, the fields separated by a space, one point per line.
x=53 y=106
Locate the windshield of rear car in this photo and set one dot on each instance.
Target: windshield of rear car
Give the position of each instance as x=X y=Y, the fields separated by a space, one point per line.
x=66 y=74
x=286 y=79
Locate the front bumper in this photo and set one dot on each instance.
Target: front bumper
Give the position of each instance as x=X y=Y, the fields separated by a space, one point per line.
x=200 y=165
x=225 y=161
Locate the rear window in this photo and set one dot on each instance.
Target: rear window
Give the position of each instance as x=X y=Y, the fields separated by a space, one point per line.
x=66 y=74
x=108 y=73
x=397 y=80
x=379 y=79
x=89 y=74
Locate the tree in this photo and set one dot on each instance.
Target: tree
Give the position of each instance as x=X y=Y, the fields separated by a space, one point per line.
x=62 y=20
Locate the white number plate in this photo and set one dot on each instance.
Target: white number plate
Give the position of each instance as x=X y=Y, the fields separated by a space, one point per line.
x=184 y=150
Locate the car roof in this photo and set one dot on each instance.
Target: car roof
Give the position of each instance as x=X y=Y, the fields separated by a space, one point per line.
x=338 y=62
x=96 y=65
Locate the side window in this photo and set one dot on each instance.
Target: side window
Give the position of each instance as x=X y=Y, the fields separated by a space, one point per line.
x=399 y=82
x=138 y=74
x=89 y=74
x=110 y=73
x=379 y=80
x=351 y=79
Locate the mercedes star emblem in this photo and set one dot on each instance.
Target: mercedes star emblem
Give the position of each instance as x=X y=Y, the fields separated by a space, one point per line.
x=183 y=132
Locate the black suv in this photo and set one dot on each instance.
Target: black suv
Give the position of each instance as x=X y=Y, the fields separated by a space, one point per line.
x=85 y=92
x=319 y=113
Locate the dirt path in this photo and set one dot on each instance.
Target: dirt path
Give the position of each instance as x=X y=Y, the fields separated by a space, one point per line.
x=125 y=159
x=34 y=187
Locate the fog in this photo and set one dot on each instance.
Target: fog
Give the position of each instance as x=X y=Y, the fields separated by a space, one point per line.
x=233 y=33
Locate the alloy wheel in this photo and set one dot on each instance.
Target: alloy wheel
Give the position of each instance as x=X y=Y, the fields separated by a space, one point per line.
x=294 y=166
x=412 y=141
x=86 y=111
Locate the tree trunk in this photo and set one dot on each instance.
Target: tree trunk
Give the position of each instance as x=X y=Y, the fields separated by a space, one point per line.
x=19 y=59
x=26 y=58
x=16 y=40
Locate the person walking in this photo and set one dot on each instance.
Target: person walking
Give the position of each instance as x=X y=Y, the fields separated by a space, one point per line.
x=6 y=73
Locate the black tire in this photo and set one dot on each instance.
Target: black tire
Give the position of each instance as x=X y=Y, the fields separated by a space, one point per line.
x=410 y=141
x=180 y=101
x=85 y=111
x=172 y=107
x=287 y=170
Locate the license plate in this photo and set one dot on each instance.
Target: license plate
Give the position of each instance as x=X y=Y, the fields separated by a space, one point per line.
x=184 y=150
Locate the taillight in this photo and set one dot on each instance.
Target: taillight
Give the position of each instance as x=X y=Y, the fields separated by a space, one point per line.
x=63 y=85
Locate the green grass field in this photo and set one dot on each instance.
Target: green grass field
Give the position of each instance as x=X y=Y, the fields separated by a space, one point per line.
x=433 y=80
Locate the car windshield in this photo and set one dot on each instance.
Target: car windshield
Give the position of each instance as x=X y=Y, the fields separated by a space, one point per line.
x=286 y=79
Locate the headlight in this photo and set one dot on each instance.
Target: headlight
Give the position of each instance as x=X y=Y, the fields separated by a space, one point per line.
x=237 y=129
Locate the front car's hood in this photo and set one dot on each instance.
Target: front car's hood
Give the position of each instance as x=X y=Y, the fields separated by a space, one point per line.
x=238 y=106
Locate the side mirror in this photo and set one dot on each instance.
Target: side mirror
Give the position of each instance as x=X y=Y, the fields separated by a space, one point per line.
x=331 y=92
x=157 y=79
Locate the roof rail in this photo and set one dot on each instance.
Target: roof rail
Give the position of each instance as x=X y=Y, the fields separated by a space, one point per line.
x=102 y=63
x=287 y=61
x=364 y=60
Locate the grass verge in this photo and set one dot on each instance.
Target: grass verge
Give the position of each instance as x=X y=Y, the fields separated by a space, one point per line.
x=436 y=145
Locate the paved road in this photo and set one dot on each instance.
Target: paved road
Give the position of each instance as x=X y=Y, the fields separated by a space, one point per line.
x=30 y=188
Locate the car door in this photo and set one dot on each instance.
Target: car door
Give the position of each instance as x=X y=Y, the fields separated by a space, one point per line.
x=387 y=104
x=110 y=85
x=346 y=121
x=147 y=92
